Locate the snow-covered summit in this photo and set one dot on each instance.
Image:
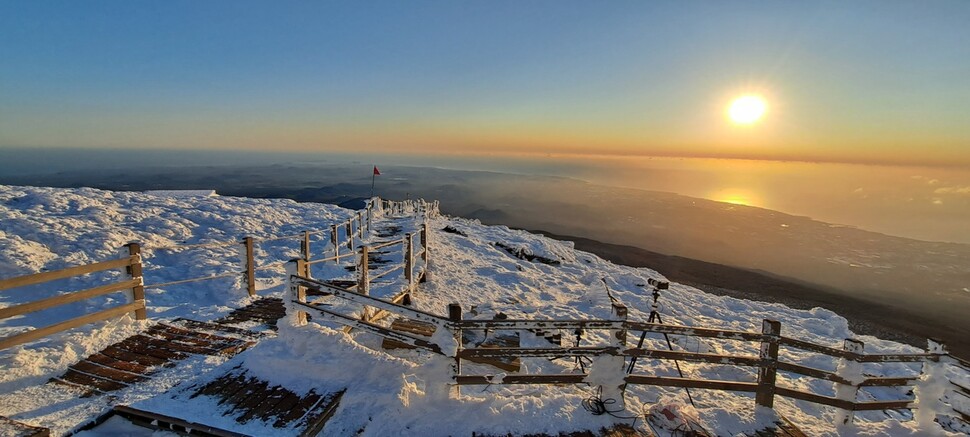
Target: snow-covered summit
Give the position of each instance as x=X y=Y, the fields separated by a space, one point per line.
x=492 y=271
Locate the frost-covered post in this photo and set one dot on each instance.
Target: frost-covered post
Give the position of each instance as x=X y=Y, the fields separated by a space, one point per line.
x=360 y=224
x=363 y=282
x=335 y=243
x=409 y=261
x=424 y=250
x=850 y=370
x=305 y=247
x=454 y=315
x=250 y=266
x=607 y=372
x=765 y=396
x=134 y=270
x=614 y=388
x=931 y=386
x=350 y=234
x=296 y=292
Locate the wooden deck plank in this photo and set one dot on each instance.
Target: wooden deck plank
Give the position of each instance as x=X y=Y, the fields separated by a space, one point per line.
x=127 y=366
x=213 y=327
x=299 y=410
x=101 y=384
x=252 y=388
x=138 y=345
x=275 y=395
x=13 y=428
x=216 y=386
x=123 y=354
x=108 y=372
x=285 y=404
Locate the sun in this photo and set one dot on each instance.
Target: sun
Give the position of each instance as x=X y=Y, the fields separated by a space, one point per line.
x=747 y=109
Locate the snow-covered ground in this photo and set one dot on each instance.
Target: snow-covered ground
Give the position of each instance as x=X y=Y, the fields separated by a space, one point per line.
x=388 y=392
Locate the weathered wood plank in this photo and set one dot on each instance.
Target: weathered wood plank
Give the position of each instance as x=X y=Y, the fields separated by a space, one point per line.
x=212 y=327
x=321 y=413
x=566 y=378
x=253 y=389
x=265 y=405
x=127 y=366
x=304 y=405
x=107 y=372
x=65 y=325
x=122 y=354
x=38 y=278
x=102 y=384
x=692 y=383
x=138 y=346
x=13 y=428
x=42 y=304
x=217 y=385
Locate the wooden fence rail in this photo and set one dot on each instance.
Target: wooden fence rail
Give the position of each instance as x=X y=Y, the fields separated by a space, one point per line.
x=768 y=363
x=356 y=227
x=133 y=285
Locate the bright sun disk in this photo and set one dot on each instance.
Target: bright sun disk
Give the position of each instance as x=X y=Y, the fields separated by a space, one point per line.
x=747 y=109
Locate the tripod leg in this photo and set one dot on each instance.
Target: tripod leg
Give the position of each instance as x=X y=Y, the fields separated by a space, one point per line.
x=633 y=361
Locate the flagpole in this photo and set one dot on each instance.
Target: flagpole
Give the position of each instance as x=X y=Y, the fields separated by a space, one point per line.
x=373 y=178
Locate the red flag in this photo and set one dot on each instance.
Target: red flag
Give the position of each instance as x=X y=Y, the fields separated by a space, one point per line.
x=376 y=171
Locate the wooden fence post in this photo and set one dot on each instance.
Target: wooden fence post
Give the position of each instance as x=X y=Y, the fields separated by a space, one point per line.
x=334 y=241
x=424 y=251
x=931 y=386
x=370 y=214
x=360 y=224
x=849 y=369
x=350 y=234
x=765 y=396
x=305 y=247
x=138 y=291
x=614 y=388
x=454 y=315
x=296 y=292
x=250 y=266
x=363 y=282
x=409 y=261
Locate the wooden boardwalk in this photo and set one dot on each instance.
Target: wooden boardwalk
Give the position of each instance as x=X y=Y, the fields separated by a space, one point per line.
x=246 y=398
x=136 y=358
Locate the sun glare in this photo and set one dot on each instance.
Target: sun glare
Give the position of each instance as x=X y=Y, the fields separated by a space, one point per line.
x=747 y=109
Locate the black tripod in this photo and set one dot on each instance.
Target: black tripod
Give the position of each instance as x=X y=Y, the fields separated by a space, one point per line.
x=655 y=318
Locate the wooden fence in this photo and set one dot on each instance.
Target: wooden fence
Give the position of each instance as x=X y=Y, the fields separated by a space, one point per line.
x=352 y=232
x=132 y=285
x=775 y=354
x=412 y=269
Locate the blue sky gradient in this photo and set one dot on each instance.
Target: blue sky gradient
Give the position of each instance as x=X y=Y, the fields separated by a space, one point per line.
x=849 y=81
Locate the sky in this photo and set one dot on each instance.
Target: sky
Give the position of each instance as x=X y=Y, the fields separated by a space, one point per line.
x=861 y=81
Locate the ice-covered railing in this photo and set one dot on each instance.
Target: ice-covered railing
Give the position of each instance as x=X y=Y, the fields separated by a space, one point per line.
x=419 y=207
x=602 y=352
x=342 y=239
x=411 y=270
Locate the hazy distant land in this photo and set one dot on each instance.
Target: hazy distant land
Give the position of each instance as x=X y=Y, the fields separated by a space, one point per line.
x=887 y=286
